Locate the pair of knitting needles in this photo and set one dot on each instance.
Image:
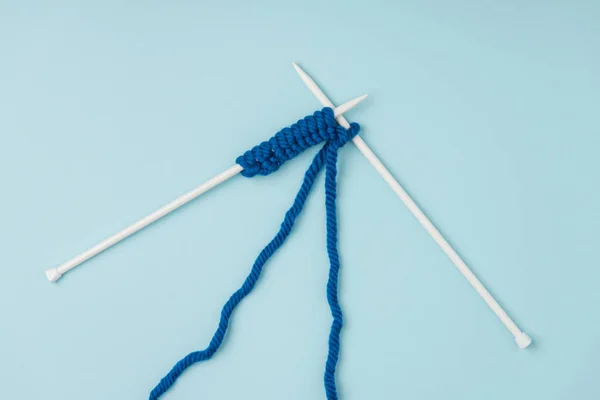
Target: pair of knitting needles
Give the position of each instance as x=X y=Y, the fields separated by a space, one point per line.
x=521 y=338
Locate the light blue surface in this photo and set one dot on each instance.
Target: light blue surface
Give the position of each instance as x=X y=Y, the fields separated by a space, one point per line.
x=487 y=112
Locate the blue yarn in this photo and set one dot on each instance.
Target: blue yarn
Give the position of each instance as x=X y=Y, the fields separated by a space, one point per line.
x=268 y=156
x=265 y=159
x=334 y=268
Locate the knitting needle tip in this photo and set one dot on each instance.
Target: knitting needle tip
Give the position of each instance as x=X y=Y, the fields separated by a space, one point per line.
x=317 y=92
x=312 y=86
x=348 y=105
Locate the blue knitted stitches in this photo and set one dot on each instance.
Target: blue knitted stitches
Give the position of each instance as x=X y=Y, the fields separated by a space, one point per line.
x=264 y=159
x=268 y=156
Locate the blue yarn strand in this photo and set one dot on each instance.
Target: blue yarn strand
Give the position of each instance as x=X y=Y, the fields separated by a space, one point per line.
x=263 y=160
x=249 y=283
x=334 y=268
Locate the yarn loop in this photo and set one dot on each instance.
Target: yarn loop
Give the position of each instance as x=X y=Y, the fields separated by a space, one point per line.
x=289 y=142
x=265 y=159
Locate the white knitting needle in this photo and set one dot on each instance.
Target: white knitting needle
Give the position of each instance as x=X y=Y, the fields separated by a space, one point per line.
x=53 y=274
x=522 y=339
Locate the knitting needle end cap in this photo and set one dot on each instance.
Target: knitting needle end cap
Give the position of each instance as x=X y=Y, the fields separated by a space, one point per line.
x=53 y=275
x=523 y=340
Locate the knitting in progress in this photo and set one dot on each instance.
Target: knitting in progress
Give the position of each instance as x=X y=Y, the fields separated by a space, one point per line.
x=264 y=159
x=327 y=127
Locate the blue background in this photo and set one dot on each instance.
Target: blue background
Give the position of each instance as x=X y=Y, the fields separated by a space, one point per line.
x=487 y=113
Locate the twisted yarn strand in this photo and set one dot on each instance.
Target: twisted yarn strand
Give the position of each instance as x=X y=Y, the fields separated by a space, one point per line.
x=249 y=283
x=334 y=268
x=263 y=160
